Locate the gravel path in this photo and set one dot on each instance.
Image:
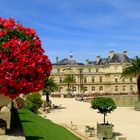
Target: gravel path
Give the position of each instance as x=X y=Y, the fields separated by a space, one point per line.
x=125 y=119
x=12 y=138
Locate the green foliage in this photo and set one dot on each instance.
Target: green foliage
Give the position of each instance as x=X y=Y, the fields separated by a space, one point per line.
x=69 y=79
x=51 y=86
x=33 y=102
x=104 y=105
x=133 y=70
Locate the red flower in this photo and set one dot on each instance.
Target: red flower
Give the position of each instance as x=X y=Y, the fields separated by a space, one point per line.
x=32 y=31
x=24 y=70
x=39 y=69
x=12 y=82
x=23 y=67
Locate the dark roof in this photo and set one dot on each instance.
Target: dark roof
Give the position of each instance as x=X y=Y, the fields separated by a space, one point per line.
x=118 y=57
x=67 y=61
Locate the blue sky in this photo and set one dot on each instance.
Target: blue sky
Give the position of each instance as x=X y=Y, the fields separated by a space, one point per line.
x=86 y=28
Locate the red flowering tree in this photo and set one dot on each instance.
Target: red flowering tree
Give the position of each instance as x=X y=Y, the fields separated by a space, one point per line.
x=23 y=66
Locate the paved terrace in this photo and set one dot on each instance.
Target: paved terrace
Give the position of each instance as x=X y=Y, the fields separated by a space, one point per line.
x=125 y=119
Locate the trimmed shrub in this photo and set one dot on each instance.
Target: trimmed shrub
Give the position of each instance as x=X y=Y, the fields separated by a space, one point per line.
x=33 y=102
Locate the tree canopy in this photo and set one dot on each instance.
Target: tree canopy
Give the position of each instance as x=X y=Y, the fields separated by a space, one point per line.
x=133 y=70
x=69 y=79
x=104 y=105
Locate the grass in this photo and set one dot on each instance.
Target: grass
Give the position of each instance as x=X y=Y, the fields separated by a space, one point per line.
x=38 y=128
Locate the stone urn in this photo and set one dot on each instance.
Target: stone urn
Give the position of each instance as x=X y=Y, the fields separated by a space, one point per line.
x=105 y=130
x=4 y=100
x=5 y=113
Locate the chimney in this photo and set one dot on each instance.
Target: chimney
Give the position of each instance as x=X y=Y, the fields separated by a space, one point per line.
x=87 y=62
x=124 y=52
x=57 y=60
x=111 y=54
x=98 y=58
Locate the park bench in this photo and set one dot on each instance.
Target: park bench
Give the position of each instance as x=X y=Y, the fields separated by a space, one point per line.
x=90 y=131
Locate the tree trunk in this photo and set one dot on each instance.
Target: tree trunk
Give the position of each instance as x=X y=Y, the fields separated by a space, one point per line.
x=68 y=88
x=138 y=85
x=104 y=117
x=47 y=97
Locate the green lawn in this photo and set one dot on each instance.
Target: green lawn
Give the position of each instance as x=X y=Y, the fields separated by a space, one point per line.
x=38 y=128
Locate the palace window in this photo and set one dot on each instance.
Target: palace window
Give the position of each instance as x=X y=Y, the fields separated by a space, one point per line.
x=74 y=89
x=116 y=88
x=85 y=80
x=116 y=79
x=124 y=88
x=100 y=88
x=85 y=89
x=93 y=79
x=131 y=88
x=97 y=70
x=74 y=79
x=93 y=88
x=100 y=79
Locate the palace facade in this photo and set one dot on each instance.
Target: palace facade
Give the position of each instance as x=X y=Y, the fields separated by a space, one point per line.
x=100 y=76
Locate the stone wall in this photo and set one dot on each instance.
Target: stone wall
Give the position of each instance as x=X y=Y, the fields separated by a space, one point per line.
x=125 y=101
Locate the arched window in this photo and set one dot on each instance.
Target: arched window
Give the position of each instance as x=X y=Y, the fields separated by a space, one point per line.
x=100 y=88
x=74 y=89
x=85 y=89
x=61 y=89
x=93 y=88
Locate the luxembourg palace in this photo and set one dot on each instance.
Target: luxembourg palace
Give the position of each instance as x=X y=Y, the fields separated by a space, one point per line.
x=102 y=75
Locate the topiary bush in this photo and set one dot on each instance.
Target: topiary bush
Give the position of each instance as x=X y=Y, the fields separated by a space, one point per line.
x=104 y=105
x=33 y=102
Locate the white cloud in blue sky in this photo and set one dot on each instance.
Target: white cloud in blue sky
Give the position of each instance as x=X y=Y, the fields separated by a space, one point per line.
x=85 y=27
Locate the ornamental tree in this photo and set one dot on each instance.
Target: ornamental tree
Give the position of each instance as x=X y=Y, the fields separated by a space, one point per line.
x=23 y=66
x=104 y=105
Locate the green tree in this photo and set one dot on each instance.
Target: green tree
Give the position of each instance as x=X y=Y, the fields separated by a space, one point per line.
x=104 y=105
x=33 y=102
x=133 y=70
x=69 y=79
x=51 y=86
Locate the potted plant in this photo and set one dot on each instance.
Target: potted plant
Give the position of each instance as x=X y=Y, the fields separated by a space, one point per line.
x=23 y=63
x=104 y=105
